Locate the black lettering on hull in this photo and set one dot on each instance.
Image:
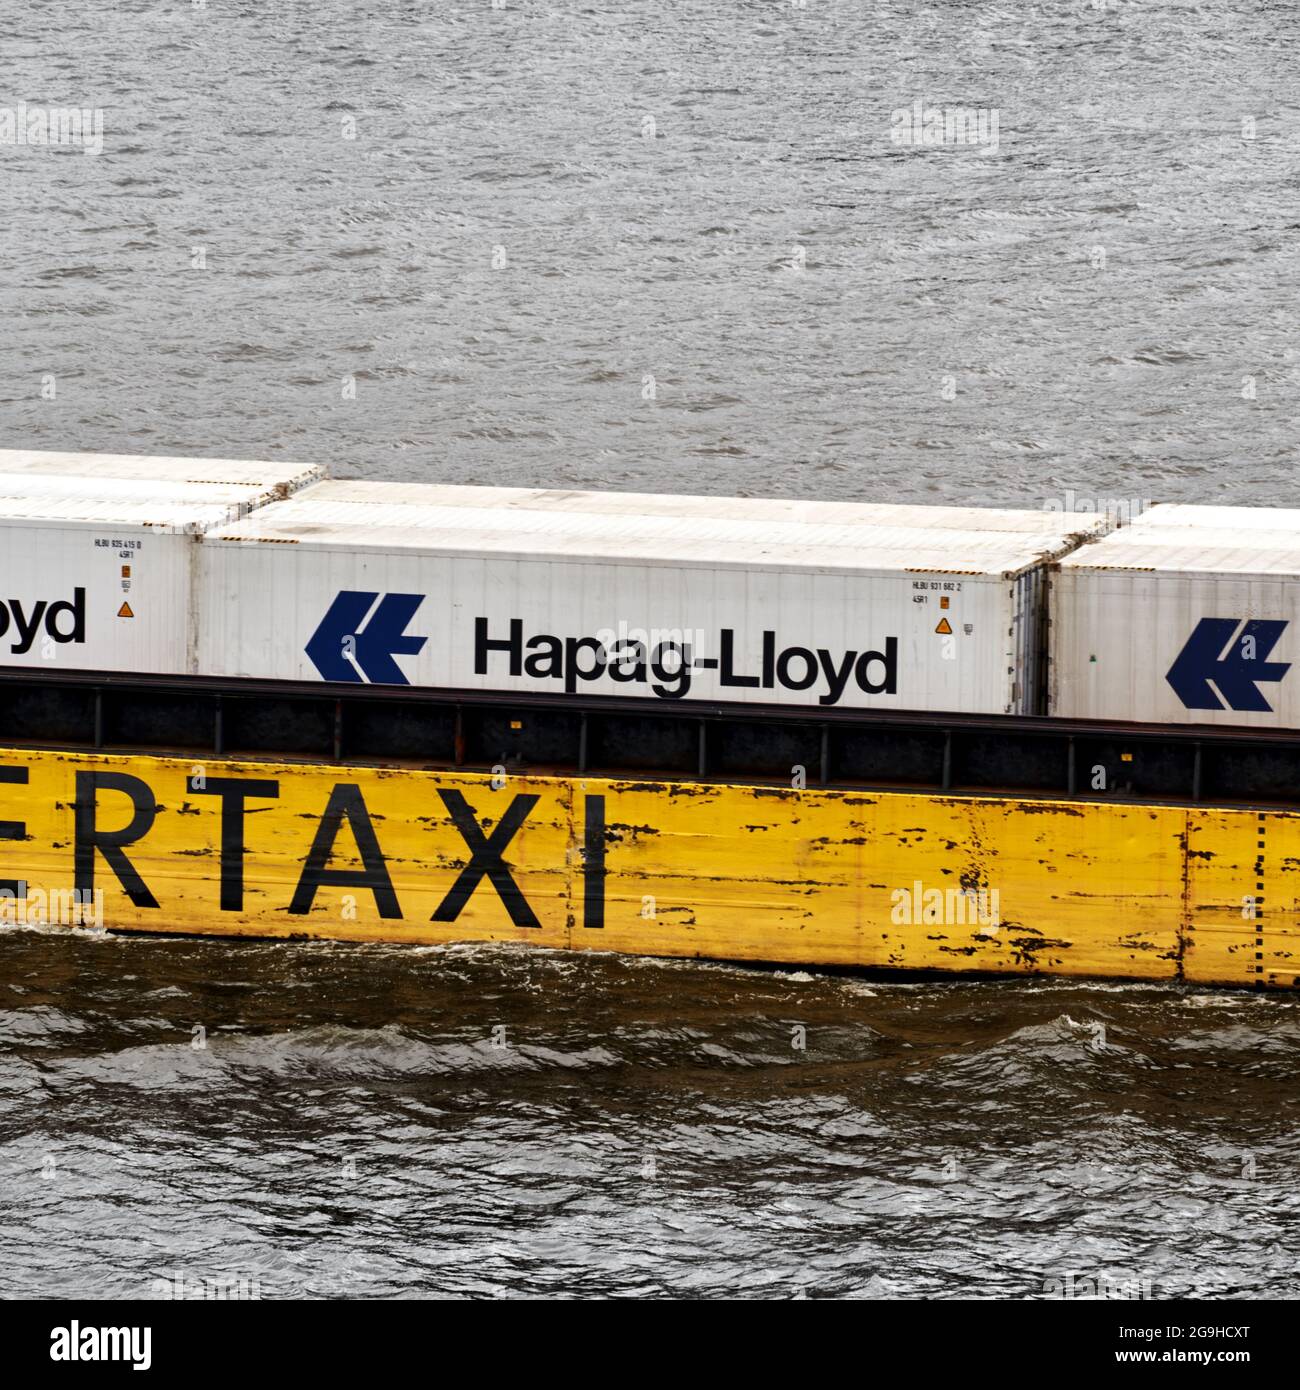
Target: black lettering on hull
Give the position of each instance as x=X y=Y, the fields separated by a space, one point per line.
x=593 y=865
x=13 y=829
x=346 y=803
x=89 y=837
x=234 y=793
x=485 y=859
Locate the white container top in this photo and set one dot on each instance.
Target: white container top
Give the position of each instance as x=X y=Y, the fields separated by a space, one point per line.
x=1186 y=515
x=1176 y=549
x=280 y=479
x=168 y=514
x=754 y=509
x=330 y=516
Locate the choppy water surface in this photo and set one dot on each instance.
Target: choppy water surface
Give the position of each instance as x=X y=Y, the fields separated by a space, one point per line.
x=485 y=1120
x=546 y=204
x=655 y=246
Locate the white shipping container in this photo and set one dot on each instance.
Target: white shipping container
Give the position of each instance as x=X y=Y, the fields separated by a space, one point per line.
x=512 y=599
x=97 y=568
x=1193 y=619
x=88 y=587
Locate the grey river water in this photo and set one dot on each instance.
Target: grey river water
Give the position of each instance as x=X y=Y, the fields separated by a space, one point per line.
x=663 y=247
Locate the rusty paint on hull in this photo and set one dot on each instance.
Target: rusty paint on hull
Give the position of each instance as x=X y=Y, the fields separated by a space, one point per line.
x=808 y=877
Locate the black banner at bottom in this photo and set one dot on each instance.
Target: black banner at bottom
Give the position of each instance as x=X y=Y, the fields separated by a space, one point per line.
x=1041 y=1337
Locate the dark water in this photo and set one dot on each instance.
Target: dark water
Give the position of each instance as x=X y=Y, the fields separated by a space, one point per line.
x=353 y=1126
x=670 y=254
x=350 y=1128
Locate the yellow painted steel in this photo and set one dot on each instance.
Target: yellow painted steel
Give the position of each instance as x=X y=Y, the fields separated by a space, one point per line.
x=1243 y=878
x=810 y=877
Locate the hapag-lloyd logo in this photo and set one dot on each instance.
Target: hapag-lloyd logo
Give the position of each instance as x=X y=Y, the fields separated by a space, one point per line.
x=363 y=633
x=668 y=665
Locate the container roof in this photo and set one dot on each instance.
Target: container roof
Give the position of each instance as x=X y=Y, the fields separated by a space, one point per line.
x=695 y=540
x=29 y=490
x=122 y=489
x=1176 y=538
x=157 y=514
x=255 y=472
x=752 y=509
x=1186 y=514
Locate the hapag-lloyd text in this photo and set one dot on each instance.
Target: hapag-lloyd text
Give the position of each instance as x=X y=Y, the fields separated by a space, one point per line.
x=667 y=666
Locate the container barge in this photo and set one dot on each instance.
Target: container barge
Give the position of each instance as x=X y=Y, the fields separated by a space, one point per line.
x=243 y=699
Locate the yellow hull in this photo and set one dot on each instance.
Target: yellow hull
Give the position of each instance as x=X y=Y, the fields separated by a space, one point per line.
x=804 y=877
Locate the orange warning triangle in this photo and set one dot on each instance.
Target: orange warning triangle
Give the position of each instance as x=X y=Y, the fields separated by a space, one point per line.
x=944 y=626
x=125 y=611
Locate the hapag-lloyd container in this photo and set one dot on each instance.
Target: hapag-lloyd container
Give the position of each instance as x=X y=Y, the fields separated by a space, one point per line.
x=846 y=609
x=1189 y=616
x=97 y=567
x=92 y=586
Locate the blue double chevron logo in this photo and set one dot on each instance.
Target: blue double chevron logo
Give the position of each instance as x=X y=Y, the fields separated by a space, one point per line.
x=1234 y=661
x=348 y=647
